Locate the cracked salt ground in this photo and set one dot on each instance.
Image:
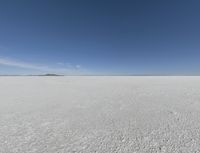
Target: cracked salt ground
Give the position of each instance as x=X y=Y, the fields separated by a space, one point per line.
x=99 y=114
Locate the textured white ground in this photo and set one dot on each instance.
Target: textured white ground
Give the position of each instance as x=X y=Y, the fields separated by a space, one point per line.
x=99 y=114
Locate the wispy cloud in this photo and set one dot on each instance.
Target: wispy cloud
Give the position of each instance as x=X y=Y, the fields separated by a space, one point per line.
x=78 y=66
x=42 y=68
x=9 y=62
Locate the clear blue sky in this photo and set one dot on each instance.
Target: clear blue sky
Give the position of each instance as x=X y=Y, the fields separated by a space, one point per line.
x=100 y=36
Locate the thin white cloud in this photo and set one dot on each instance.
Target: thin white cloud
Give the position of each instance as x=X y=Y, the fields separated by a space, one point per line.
x=42 y=68
x=8 y=62
x=61 y=63
x=78 y=66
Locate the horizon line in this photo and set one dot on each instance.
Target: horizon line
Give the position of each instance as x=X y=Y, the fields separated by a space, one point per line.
x=51 y=75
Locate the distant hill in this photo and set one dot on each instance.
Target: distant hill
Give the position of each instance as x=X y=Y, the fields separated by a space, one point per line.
x=51 y=74
x=48 y=74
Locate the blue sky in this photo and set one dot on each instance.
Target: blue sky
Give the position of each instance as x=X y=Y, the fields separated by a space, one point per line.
x=100 y=37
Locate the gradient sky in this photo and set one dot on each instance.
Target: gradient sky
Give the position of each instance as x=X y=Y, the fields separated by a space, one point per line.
x=100 y=36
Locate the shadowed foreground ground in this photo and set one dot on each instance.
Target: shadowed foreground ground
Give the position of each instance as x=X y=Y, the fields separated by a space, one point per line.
x=99 y=114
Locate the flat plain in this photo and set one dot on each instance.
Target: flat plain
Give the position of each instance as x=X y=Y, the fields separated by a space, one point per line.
x=100 y=114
